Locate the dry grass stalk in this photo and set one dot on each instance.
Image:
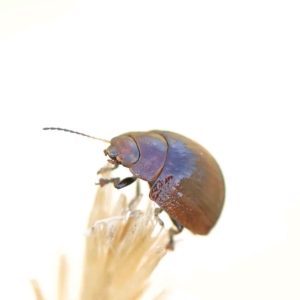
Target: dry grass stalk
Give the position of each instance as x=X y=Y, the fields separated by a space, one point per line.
x=123 y=247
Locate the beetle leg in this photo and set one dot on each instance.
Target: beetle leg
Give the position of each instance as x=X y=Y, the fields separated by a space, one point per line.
x=102 y=181
x=173 y=232
x=178 y=226
x=116 y=181
x=137 y=198
x=157 y=211
x=107 y=169
x=137 y=189
x=125 y=182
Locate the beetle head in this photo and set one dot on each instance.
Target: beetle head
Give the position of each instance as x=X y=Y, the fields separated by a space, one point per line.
x=123 y=150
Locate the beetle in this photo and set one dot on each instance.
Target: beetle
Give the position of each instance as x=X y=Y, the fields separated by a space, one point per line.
x=184 y=178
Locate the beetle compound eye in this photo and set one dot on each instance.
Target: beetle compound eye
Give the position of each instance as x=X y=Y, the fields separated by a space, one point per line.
x=111 y=152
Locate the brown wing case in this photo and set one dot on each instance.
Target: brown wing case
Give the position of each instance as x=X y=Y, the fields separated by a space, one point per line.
x=190 y=187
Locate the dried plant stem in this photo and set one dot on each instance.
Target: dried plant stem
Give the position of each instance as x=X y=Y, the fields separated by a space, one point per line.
x=37 y=290
x=122 y=251
x=123 y=247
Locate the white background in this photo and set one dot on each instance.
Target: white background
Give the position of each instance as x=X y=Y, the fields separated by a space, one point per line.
x=224 y=73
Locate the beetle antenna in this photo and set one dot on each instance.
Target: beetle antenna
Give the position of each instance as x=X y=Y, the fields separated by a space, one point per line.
x=68 y=130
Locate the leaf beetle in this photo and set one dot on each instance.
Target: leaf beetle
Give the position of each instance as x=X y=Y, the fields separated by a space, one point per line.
x=184 y=178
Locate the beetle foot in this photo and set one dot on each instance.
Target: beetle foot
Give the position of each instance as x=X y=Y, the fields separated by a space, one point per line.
x=173 y=231
x=102 y=182
x=171 y=245
x=107 y=169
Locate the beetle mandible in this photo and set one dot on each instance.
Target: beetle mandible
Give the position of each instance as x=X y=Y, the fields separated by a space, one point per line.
x=184 y=178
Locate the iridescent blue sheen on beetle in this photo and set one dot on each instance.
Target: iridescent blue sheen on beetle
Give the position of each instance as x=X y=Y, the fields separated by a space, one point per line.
x=184 y=178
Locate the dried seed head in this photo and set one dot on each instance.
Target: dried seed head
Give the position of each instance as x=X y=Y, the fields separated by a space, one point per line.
x=123 y=247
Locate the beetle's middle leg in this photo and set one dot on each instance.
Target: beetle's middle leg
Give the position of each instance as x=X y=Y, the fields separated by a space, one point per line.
x=172 y=231
x=157 y=211
x=137 y=198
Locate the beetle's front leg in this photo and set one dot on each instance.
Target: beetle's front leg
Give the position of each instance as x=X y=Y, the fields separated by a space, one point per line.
x=118 y=184
x=102 y=181
x=125 y=182
x=107 y=169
